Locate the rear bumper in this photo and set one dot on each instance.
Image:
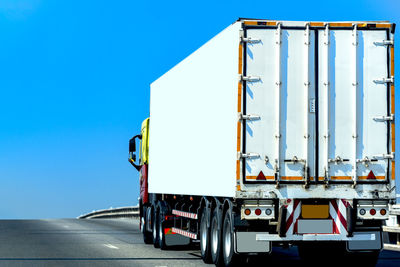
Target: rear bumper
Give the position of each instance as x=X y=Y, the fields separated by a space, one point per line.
x=357 y=236
x=259 y=242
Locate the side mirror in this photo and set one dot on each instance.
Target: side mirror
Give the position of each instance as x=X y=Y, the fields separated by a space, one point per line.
x=132 y=150
x=132 y=145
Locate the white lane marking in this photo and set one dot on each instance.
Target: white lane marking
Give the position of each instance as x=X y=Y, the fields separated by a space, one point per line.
x=110 y=246
x=66 y=226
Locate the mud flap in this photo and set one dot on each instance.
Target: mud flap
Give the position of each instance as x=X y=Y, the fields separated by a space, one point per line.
x=374 y=242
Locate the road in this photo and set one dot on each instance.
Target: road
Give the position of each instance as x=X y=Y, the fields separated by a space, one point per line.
x=102 y=242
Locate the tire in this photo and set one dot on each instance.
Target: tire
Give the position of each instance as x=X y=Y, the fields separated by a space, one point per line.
x=154 y=225
x=205 y=238
x=228 y=253
x=160 y=229
x=147 y=237
x=216 y=238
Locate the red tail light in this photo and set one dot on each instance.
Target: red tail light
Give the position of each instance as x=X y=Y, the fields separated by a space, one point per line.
x=257 y=212
x=372 y=211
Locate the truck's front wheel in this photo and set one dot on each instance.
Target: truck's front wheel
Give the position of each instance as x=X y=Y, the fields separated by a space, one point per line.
x=147 y=238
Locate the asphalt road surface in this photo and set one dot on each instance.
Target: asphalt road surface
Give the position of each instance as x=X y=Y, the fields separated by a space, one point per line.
x=105 y=242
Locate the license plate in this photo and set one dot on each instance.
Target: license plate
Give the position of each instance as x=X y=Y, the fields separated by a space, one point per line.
x=315 y=226
x=314 y=211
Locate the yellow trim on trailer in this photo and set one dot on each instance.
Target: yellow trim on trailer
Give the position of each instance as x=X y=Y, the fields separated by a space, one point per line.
x=239 y=109
x=340 y=24
x=317 y=24
x=392 y=108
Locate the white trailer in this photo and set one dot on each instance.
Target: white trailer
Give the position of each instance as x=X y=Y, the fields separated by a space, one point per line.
x=274 y=132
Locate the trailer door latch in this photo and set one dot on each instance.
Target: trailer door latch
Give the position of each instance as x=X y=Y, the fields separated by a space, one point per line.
x=247 y=155
x=385 y=118
x=385 y=42
x=249 y=78
x=384 y=80
x=250 y=40
x=249 y=117
x=384 y=156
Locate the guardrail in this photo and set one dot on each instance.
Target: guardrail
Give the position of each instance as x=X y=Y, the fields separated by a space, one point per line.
x=392 y=229
x=123 y=212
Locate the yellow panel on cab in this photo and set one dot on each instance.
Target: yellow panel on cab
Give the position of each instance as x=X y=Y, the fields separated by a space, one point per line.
x=144 y=144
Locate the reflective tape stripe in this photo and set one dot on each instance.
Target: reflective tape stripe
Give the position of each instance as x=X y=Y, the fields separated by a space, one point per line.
x=293 y=213
x=185 y=214
x=184 y=233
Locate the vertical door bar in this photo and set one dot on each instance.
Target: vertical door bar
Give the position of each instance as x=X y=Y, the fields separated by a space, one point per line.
x=278 y=41
x=355 y=87
x=327 y=92
x=306 y=96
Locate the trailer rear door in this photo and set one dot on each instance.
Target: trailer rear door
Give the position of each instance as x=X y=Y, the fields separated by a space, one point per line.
x=316 y=104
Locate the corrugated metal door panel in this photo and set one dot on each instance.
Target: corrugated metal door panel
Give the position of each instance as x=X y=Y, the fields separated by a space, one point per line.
x=349 y=100
x=281 y=141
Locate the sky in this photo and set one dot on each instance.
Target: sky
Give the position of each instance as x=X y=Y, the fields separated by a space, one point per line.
x=74 y=87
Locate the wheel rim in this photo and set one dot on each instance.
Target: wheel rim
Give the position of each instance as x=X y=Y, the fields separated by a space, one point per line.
x=142 y=224
x=160 y=233
x=203 y=237
x=154 y=228
x=227 y=237
x=214 y=239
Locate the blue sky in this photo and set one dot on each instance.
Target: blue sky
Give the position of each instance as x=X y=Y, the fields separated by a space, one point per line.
x=74 y=84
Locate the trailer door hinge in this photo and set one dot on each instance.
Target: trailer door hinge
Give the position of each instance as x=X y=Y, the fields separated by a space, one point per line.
x=247 y=155
x=249 y=40
x=385 y=42
x=249 y=78
x=385 y=118
x=385 y=80
x=249 y=117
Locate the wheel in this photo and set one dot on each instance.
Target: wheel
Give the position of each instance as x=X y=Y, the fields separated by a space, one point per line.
x=154 y=218
x=216 y=237
x=160 y=229
x=205 y=238
x=228 y=253
x=147 y=237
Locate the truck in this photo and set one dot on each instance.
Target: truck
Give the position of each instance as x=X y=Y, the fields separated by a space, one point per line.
x=273 y=133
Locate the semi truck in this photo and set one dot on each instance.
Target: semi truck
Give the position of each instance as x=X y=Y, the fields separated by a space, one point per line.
x=273 y=133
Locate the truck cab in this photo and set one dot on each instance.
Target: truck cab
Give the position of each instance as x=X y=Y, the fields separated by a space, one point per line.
x=142 y=164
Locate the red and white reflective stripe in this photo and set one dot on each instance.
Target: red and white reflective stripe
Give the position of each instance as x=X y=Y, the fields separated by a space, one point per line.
x=184 y=233
x=293 y=213
x=185 y=214
x=337 y=211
